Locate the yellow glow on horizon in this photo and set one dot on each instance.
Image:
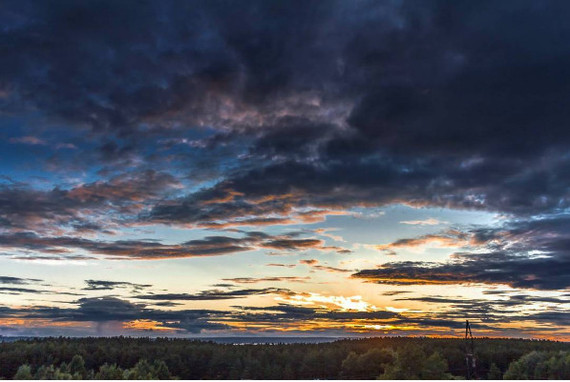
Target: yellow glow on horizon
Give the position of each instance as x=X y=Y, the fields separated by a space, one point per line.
x=42 y=323
x=342 y=303
x=396 y=310
x=145 y=324
x=389 y=327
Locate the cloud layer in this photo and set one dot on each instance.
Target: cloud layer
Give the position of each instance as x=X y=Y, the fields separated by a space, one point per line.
x=169 y=130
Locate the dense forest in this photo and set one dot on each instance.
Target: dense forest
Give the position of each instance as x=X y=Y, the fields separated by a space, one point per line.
x=372 y=358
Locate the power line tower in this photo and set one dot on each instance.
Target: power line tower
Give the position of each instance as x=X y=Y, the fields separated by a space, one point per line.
x=470 y=360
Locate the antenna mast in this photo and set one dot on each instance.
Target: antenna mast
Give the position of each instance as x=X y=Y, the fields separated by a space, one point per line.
x=470 y=359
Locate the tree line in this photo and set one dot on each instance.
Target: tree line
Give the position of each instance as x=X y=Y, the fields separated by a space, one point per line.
x=371 y=358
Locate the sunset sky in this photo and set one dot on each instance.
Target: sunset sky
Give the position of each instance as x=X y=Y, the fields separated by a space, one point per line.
x=315 y=168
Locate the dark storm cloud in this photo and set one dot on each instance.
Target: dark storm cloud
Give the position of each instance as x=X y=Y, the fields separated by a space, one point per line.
x=283 y=188
x=516 y=308
x=105 y=309
x=487 y=268
x=293 y=111
x=511 y=304
x=90 y=74
x=111 y=66
x=523 y=254
x=212 y=294
x=366 y=103
x=559 y=319
x=291 y=138
x=63 y=247
x=127 y=249
x=137 y=187
x=296 y=313
x=22 y=207
x=444 y=116
x=113 y=309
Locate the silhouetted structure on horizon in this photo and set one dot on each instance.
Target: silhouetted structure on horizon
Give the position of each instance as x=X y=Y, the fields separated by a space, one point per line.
x=470 y=360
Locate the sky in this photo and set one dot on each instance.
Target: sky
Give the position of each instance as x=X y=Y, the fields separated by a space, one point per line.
x=285 y=168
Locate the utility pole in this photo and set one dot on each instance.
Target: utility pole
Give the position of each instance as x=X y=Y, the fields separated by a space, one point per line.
x=470 y=359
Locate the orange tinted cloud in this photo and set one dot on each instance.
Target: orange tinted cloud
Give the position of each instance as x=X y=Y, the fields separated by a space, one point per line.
x=314 y=264
x=448 y=239
x=147 y=325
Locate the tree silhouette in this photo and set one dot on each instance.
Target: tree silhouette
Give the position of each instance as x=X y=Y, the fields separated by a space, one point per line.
x=387 y=357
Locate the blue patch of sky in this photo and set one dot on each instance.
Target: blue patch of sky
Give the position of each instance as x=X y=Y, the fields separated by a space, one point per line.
x=384 y=225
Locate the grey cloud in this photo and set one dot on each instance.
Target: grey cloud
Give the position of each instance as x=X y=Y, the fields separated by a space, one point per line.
x=17 y=280
x=212 y=294
x=110 y=285
x=152 y=249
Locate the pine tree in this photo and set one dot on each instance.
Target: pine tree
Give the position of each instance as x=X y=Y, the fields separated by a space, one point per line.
x=24 y=372
x=494 y=372
x=161 y=370
x=77 y=367
x=109 y=372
